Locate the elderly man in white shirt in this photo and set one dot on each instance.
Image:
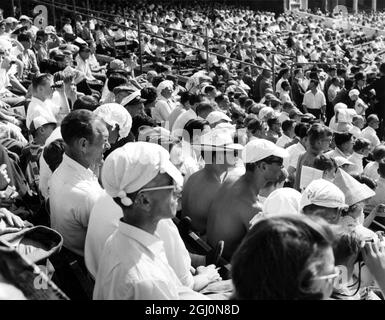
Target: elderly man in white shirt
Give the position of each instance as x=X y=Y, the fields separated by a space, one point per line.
x=143 y=182
x=164 y=105
x=74 y=188
x=370 y=131
x=314 y=100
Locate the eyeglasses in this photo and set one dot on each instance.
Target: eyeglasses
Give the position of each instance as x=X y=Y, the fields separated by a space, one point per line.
x=343 y=211
x=273 y=159
x=330 y=278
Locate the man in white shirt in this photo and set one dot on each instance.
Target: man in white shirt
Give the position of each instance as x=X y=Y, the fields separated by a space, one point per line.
x=314 y=100
x=74 y=188
x=370 y=131
x=296 y=150
x=344 y=145
x=143 y=182
x=83 y=62
x=41 y=104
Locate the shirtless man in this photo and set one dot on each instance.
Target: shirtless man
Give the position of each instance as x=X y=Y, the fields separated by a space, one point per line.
x=218 y=151
x=236 y=202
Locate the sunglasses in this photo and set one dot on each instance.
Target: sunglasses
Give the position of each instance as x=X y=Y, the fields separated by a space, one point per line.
x=330 y=278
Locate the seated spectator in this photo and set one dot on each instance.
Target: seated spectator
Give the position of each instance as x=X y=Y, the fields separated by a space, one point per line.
x=344 y=145
x=145 y=198
x=358 y=123
x=324 y=199
x=41 y=103
x=73 y=195
x=261 y=269
x=319 y=139
x=275 y=130
x=361 y=150
x=218 y=151
x=288 y=134
x=370 y=131
x=236 y=201
x=371 y=169
x=256 y=129
x=327 y=165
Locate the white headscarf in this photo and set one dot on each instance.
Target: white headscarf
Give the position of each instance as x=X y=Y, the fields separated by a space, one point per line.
x=115 y=114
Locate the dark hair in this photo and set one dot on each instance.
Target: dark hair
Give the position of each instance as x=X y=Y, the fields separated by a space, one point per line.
x=349 y=84
x=381 y=169
x=77 y=124
x=255 y=125
x=23 y=37
x=279 y=258
x=141 y=120
x=371 y=118
x=40 y=79
x=195 y=98
x=272 y=121
x=342 y=137
x=301 y=130
x=148 y=93
x=346 y=245
x=184 y=97
x=204 y=107
x=116 y=80
x=194 y=124
x=323 y=163
x=317 y=131
x=361 y=144
x=53 y=154
x=287 y=125
x=242 y=99
x=86 y=102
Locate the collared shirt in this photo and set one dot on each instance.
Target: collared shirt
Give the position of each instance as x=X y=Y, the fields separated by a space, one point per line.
x=370 y=134
x=104 y=220
x=314 y=101
x=283 y=141
x=357 y=166
x=84 y=67
x=163 y=108
x=134 y=266
x=371 y=170
x=39 y=108
x=72 y=195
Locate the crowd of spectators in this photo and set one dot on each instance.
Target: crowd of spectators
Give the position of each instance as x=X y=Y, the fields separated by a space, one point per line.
x=266 y=154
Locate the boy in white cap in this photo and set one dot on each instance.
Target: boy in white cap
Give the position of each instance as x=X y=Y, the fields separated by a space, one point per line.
x=219 y=152
x=133 y=265
x=236 y=202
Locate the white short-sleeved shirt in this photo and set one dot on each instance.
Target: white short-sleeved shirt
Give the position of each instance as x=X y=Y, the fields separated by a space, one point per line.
x=104 y=220
x=134 y=266
x=312 y=101
x=38 y=108
x=72 y=195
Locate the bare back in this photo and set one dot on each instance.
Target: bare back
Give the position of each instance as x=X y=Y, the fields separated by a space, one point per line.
x=198 y=194
x=230 y=214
